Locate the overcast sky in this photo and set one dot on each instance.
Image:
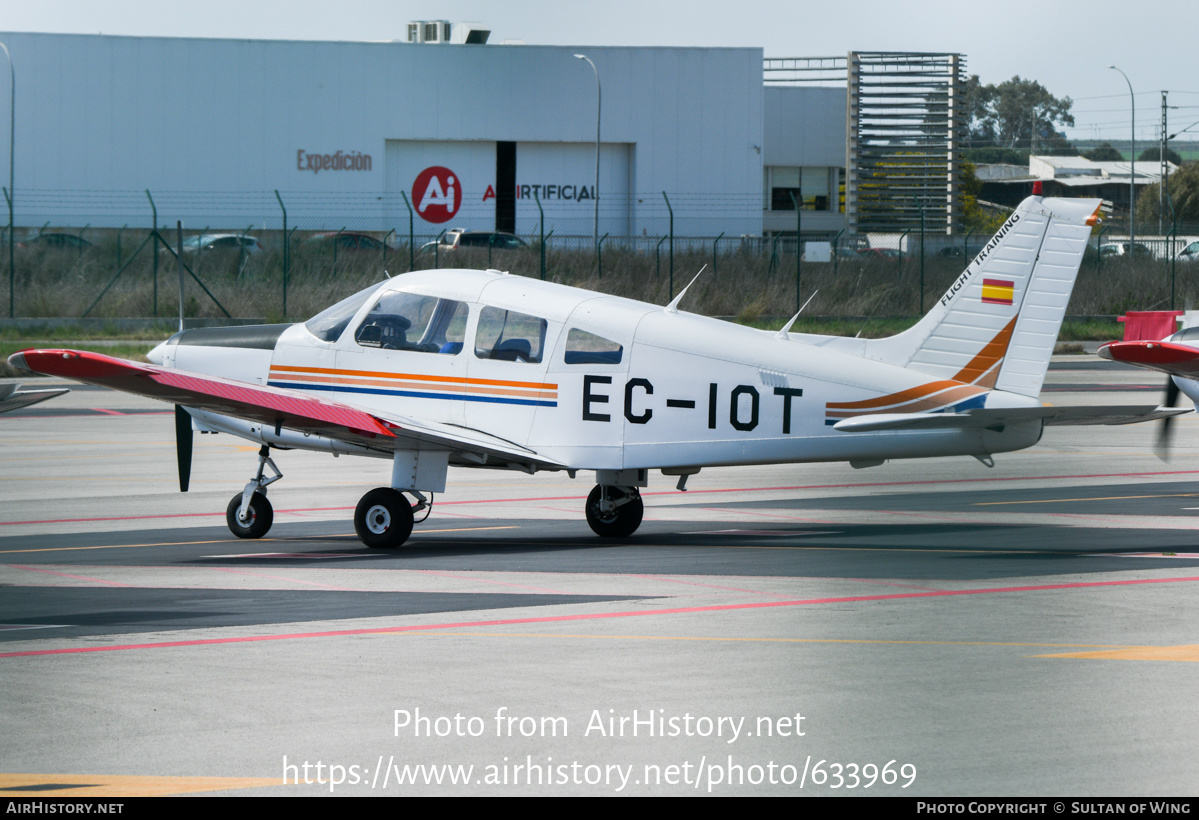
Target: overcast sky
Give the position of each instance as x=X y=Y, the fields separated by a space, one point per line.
x=1065 y=45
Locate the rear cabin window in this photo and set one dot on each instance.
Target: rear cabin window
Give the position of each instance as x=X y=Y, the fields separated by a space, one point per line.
x=587 y=348
x=509 y=336
x=410 y=321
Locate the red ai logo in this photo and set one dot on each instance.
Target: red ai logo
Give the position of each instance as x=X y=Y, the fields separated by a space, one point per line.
x=437 y=193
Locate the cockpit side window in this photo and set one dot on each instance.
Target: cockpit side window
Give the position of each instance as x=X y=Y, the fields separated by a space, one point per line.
x=509 y=336
x=410 y=321
x=587 y=348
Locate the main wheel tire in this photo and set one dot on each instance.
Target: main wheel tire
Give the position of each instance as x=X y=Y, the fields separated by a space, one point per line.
x=621 y=522
x=260 y=513
x=383 y=519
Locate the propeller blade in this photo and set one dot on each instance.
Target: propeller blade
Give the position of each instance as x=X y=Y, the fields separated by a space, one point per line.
x=183 y=446
x=1165 y=432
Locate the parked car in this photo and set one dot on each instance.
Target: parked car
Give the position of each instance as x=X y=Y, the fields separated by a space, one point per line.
x=871 y=254
x=221 y=242
x=458 y=238
x=1190 y=253
x=347 y=241
x=1139 y=251
x=58 y=241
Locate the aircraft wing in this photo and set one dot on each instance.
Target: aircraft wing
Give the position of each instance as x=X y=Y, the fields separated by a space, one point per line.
x=12 y=397
x=999 y=416
x=270 y=406
x=1168 y=357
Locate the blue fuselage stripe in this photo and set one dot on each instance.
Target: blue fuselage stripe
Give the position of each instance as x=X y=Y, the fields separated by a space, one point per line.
x=412 y=394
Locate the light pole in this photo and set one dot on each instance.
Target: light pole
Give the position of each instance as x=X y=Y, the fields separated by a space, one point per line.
x=1132 y=179
x=12 y=133
x=598 y=109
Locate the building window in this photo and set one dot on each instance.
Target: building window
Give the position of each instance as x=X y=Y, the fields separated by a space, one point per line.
x=811 y=185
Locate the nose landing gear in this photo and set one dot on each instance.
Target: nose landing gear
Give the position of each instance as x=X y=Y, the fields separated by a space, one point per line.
x=249 y=514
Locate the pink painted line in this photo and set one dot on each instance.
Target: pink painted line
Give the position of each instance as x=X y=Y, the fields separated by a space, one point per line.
x=597 y=616
x=487 y=581
x=664 y=492
x=107 y=412
x=289 y=580
x=66 y=575
x=709 y=586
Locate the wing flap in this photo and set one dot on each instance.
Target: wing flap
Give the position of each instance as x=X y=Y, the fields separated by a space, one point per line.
x=12 y=397
x=1168 y=357
x=999 y=416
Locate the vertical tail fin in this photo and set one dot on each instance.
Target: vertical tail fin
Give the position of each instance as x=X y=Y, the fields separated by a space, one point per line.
x=997 y=323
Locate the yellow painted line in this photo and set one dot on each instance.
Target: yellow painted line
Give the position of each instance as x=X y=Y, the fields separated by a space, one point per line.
x=1101 y=498
x=1110 y=647
x=108 y=785
x=1185 y=652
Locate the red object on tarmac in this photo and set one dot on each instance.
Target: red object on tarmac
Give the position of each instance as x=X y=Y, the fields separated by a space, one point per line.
x=1150 y=325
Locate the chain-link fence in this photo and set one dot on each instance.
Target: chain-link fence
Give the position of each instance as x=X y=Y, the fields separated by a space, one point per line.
x=265 y=272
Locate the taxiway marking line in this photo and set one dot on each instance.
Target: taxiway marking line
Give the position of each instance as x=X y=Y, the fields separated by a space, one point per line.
x=77 y=786
x=1101 y=498
x=594 y=616
x=235 y=540
x=68 y=575
x=1188 y=653
x=696 y=491
x=281 y=578
x=720 y=639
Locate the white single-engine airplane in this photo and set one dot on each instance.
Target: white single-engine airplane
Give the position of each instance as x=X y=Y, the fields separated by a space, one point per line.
x=484 y=369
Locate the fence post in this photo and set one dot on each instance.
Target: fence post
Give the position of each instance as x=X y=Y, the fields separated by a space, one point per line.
x=658 y=258
x=154 y=230
x=411 y=236
x=671 y=246
x=599 y=255
x=437 y=249
x=12 y=240
x=1098 y=245
x=541 y=231
x=179 y=264
x=836 y=252
x=286 y=258
x=714 y=243
x=798 y=203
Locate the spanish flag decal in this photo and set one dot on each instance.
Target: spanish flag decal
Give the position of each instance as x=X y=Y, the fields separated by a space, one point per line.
x=997 y=291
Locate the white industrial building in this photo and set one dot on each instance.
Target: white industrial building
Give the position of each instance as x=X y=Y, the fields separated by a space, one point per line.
x=472 y=136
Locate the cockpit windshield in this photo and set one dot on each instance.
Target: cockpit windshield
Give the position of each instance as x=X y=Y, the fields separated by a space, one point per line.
x=330 y=323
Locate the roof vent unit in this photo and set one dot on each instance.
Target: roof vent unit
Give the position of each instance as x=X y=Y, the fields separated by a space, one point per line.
x=429 y=31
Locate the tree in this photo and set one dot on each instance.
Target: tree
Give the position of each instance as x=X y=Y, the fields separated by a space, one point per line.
x=974 y=216
x=1016 y=114
x=1103 y=152
x=1184 y=195
x=1154 y=155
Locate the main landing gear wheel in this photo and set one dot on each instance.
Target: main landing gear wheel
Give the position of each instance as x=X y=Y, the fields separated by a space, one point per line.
x=383 y=518
x=623 y=516
x=259 y=516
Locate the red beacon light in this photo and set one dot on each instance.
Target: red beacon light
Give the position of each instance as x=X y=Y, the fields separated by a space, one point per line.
x=1036 y=188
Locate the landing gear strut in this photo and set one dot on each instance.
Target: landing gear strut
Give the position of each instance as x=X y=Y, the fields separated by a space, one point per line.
x=614 y=512
x=249 y=514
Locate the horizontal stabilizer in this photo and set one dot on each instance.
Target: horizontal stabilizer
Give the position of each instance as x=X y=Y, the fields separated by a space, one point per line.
x=12 y=397
x=1000 y=416
x=1168 y=357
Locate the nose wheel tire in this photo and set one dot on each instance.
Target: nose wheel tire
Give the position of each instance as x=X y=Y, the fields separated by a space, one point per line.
x=383 y=519
x=260 y=516
x=620 y=522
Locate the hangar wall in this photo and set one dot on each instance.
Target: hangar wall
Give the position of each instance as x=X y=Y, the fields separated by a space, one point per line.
x=213 y=127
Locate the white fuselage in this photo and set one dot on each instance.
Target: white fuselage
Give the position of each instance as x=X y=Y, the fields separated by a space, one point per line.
x=682 y=391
